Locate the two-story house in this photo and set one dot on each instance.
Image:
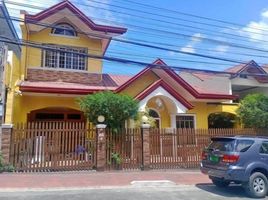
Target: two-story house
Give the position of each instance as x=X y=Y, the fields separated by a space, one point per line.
x=58 y=65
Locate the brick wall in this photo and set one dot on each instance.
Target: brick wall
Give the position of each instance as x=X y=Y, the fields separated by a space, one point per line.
x=6 y=141
x=41 y=74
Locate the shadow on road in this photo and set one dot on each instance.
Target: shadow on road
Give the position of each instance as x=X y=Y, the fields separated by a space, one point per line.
x=231 y=191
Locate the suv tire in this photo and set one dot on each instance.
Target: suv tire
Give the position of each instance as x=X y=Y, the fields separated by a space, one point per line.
x=257 y=186
x=220 y=183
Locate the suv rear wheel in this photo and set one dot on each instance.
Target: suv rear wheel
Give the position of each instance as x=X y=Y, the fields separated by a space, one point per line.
x=219 y=182
x=257 y=186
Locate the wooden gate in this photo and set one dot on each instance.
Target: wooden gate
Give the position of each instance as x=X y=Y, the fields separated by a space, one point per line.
x=124 y=149
x=52 y=146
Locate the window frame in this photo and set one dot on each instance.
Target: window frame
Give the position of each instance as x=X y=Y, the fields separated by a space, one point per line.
x=184 y=114
x=68 y=27
x=156 y=118
x=58 y=54
x=264 y=142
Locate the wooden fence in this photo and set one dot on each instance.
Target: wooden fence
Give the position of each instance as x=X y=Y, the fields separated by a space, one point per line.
x=182 y=148
x=49 y=146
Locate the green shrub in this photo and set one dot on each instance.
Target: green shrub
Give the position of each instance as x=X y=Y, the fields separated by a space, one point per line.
x=5 y=167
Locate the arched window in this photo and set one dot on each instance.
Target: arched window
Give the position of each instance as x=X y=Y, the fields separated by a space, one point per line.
x=64 y=29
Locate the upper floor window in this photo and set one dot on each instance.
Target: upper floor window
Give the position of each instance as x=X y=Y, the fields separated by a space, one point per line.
x=65 y=58
x=64 y=29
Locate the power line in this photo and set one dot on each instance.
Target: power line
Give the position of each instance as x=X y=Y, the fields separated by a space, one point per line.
x=154 y=14
x=118 y=60
x=141 y=43
x=208 y=31
x=189 y=15
x=145 y=44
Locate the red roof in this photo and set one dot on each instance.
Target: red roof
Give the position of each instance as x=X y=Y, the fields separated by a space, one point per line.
x=67 y=4
x=109 y=82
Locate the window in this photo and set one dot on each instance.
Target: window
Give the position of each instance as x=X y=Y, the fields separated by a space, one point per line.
x=264 y=148
x=243 y=145
x=64 y=29
x=185 y=121
x=65 y=58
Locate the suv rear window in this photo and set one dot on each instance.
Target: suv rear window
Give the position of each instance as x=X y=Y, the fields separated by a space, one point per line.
x=230 y=145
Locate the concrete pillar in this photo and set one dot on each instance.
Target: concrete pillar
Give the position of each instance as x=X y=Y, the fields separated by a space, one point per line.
x=101 y=147
x=145 y=131
x=6 y=142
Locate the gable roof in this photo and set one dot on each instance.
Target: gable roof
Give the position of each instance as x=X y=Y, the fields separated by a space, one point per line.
x=248 y=68
x=142 y=72
x=164 y=85
x=193 y=91
x=67 y=4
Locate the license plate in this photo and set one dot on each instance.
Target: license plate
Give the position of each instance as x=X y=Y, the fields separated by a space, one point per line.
x=214 y=158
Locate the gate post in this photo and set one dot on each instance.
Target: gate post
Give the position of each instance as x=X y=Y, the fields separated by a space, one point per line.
x=6 y=142
x=145 y=136
x=101 y=147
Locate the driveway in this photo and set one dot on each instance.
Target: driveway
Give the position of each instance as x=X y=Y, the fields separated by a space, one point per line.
x=187 y=192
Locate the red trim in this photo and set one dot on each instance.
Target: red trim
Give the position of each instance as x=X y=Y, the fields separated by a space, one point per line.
x=58 y=90
x=122 y=87
x=193 y=92
x=156 y=62
x=169 y=89
x=179 y=80
x=67 y=4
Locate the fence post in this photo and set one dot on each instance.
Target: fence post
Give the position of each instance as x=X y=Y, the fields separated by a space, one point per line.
x=6 y=142
x=101 y=147
x=145 y=136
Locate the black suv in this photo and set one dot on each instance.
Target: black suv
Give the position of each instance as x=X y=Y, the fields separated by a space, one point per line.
x=238 y=159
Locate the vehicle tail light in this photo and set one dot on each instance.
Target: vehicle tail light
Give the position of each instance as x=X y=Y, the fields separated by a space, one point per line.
x=230 y=158
x=204 y=155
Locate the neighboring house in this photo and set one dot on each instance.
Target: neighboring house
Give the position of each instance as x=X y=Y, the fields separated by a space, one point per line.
x=49 y=81
x=9 y=56
x=244 y=83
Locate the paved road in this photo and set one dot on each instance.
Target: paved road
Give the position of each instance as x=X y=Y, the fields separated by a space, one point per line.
x=197 y=192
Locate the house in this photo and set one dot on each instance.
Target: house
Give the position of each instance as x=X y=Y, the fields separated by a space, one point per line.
x=9 y=56
x=56 y=70
x=61 y=60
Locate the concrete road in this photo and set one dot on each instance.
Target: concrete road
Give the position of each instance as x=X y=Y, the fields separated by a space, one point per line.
x=194 y=192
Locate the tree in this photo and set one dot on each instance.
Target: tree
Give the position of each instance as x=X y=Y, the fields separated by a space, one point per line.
x=116 y=108
x=253 y=111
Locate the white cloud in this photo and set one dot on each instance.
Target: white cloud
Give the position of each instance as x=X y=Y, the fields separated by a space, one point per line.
x=190 y=46
x=257 y=30
x=221 y=49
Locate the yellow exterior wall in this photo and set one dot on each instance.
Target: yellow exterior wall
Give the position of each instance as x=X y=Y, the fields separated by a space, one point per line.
x=139 y=85
x=33 y=56
x=12 y=75
x=25 y=104
x=200 y=112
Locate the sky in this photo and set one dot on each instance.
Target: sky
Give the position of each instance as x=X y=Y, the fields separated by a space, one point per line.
x=171 y=24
